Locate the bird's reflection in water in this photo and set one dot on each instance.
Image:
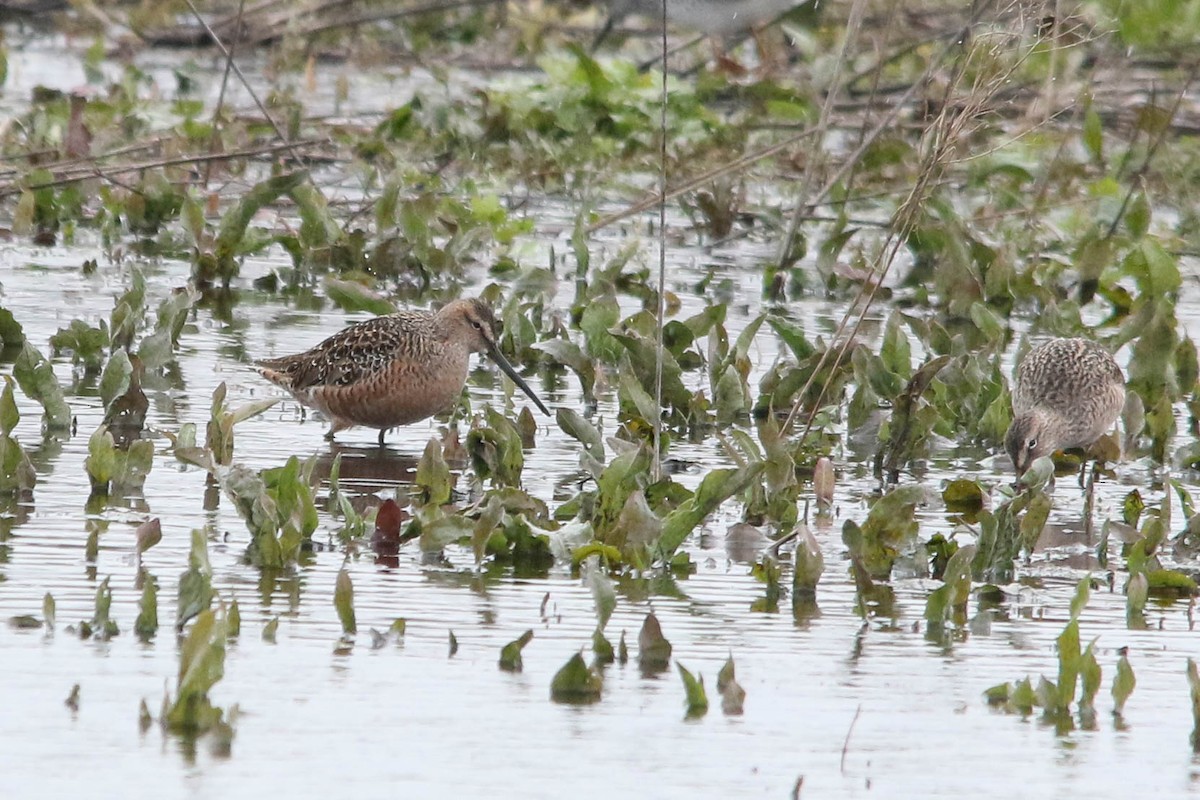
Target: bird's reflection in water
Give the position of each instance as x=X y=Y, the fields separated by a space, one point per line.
x=369 y=476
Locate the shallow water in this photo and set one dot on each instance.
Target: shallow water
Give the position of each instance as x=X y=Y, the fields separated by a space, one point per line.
x=854 y=706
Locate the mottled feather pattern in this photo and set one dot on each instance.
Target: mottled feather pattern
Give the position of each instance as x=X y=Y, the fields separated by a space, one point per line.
x=395 y=369
x=361 y=350
x=1069 y=392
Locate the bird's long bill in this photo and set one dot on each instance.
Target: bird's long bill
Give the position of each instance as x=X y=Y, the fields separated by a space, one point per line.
x=499 y=358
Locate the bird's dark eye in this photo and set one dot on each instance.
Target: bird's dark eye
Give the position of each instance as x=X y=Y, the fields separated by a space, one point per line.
x=476 y=324
x=1032 y=443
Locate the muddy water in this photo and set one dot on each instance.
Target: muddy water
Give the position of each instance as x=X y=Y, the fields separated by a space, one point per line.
x=855 y=706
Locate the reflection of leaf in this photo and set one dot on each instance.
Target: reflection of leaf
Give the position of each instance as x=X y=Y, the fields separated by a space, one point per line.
x=575 y=682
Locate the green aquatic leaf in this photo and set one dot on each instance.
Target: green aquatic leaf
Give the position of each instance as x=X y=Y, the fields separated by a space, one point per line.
x=635 y=402
x=808 y=564
x=696 y=697
x=1193 y=679
x=155 y=350
x=9 y=414
x=716 y=487
x=127 y=314
x=146 y=624
x=570 y=354
x=889 y=525
x=599 y=315
x=48 y=610
x=963 y=496
x=343 y=601
x=604 y=594
x=1137 y=590
x=195 y=585
x=201 y=665
x=1090 y=675
x=101 y=461
x=1069 y=664
x=1123 y=684
x=574 y=425
x=1132 y=508
x=496 y=450
x=433 y=477
x=510 y=654
x=485 y=526
x=231 y=233
x=351 y=296
x=271 y=630
x=11 y=333
x=36 y=377
x=618 y=480
x=233 y=620
x=1083 y=591
x=17 y=473
x=1170 y=583
x=1033 y=521
x=103 y=625
x=602 y=648
x=576 y=683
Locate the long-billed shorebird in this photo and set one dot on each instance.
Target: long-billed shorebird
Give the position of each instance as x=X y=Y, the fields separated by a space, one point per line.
x=1069 y=393
x=395 y=369
x=715 y=18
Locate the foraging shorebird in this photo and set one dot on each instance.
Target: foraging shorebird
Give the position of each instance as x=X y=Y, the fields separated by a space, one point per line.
x=395 y=369
x=1069 y=393
x=715 y=18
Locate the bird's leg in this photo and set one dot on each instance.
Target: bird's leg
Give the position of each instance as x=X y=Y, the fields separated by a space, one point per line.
x=336 y=425
x=382 y=433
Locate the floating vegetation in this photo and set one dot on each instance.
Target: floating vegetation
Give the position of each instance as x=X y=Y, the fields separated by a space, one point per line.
x=1079 y=679
x=857 y=244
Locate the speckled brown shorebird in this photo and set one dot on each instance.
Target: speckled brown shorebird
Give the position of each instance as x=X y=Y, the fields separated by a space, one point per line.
x=395 y=369
x=1069 y=393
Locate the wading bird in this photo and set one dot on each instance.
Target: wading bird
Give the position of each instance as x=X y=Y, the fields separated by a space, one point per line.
x=1069 y=393
x=395 y=369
